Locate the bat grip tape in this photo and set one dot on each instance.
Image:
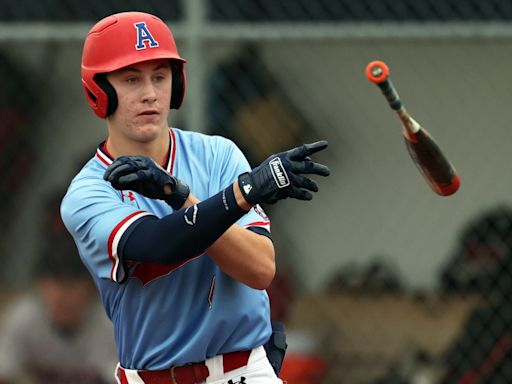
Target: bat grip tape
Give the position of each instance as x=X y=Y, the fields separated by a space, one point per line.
x=390 y=94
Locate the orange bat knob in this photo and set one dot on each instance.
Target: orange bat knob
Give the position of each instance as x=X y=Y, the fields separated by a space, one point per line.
x=377 y=71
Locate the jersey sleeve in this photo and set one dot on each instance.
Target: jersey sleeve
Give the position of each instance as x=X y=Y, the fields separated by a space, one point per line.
x=97 y=216
x=233 y=164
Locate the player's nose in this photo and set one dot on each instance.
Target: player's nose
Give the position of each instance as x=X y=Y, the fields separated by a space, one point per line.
x=148 y=91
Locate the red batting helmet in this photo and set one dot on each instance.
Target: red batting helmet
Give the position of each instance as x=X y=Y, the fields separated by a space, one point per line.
x=124 y=39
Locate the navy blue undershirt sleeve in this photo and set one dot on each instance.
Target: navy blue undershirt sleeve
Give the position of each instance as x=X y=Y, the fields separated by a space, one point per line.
x=183 y=234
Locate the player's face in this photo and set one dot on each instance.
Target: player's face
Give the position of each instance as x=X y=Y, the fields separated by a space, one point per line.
x=144 y=95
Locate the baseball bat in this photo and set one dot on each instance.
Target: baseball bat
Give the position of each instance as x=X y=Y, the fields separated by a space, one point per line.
x=426 y=154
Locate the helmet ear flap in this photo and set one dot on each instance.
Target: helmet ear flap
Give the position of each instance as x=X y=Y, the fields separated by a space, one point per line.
x=177 y=91
x=109 y=90
x=178 y=84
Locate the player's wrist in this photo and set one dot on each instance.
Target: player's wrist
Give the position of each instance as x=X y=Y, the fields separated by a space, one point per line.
x=240 y=197
x=191 y=200
x=247 y=188
x=167 y=189
x=179 y=193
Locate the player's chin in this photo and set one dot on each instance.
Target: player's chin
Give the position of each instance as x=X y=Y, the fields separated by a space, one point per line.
x=148 y=132
x=150 y=125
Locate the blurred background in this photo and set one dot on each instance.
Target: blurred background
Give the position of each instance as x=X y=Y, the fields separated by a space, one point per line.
x=379 y=279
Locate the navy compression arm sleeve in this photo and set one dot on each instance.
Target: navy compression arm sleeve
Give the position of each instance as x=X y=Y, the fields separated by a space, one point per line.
x=183 y=234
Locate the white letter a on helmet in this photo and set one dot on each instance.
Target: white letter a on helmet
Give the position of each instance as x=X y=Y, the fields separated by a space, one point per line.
x=144 y=35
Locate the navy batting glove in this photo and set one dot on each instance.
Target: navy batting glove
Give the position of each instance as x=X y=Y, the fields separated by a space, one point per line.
x=142 y=175
x=280 y=176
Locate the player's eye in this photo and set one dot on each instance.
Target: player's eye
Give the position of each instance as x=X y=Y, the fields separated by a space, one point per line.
x=159 y=78
x=131 y=80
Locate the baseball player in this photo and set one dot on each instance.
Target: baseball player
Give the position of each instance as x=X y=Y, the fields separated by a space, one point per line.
x=168 y=221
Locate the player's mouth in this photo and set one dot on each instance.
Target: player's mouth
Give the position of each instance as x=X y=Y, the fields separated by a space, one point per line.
x=149 y=112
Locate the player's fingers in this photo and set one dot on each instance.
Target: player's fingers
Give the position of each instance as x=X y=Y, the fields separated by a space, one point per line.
x=305 y=150
x=141 y=176
x=318 y=169
x=122 y=160
x=126 y=180
x=144 y=162
x=111 y=168
x=316 y=147
x=106 y=175
x=111 y=171
x=310 y=167
x=305 y=182
x=300 y=194
x=125 y=160
x=116 y=171
x=145 y=175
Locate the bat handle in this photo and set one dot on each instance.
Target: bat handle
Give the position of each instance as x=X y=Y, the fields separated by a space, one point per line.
x=410 y=126
x=378 y=73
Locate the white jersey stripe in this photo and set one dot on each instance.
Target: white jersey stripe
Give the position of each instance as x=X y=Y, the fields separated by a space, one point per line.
x=104 y=158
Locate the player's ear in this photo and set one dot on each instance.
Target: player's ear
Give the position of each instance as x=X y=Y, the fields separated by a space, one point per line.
x=104 y=84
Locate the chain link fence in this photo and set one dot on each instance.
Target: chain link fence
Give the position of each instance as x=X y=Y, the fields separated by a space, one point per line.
x=379 y=280
x=351 y=10
x=266 y=10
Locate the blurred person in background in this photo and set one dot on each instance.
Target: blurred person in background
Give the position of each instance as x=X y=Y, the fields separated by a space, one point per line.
x=58 y=332
x=482 y=265
x=19 y=105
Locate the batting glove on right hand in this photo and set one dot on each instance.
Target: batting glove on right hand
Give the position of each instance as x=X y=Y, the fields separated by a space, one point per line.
x=280 y=176
x=142 y=175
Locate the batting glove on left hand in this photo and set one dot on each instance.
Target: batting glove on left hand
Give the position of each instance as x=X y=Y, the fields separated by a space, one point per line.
x=142 y=175
x=281 y=176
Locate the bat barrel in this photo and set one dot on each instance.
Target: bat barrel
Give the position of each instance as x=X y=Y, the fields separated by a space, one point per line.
x=449 y=189
x=432 y=163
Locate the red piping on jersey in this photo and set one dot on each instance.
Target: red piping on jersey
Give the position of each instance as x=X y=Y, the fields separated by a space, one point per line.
x=111 y=240
x=102 y=149
x=122 y=376
x=101 y=159
x=172 y=149
x=258 y=224
x=148 y=272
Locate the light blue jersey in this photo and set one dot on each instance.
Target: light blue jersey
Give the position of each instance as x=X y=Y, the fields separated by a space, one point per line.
x=167 y=315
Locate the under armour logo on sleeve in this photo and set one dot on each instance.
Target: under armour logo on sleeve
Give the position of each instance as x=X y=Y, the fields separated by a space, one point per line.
x=191 y=215
x=144 y=35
